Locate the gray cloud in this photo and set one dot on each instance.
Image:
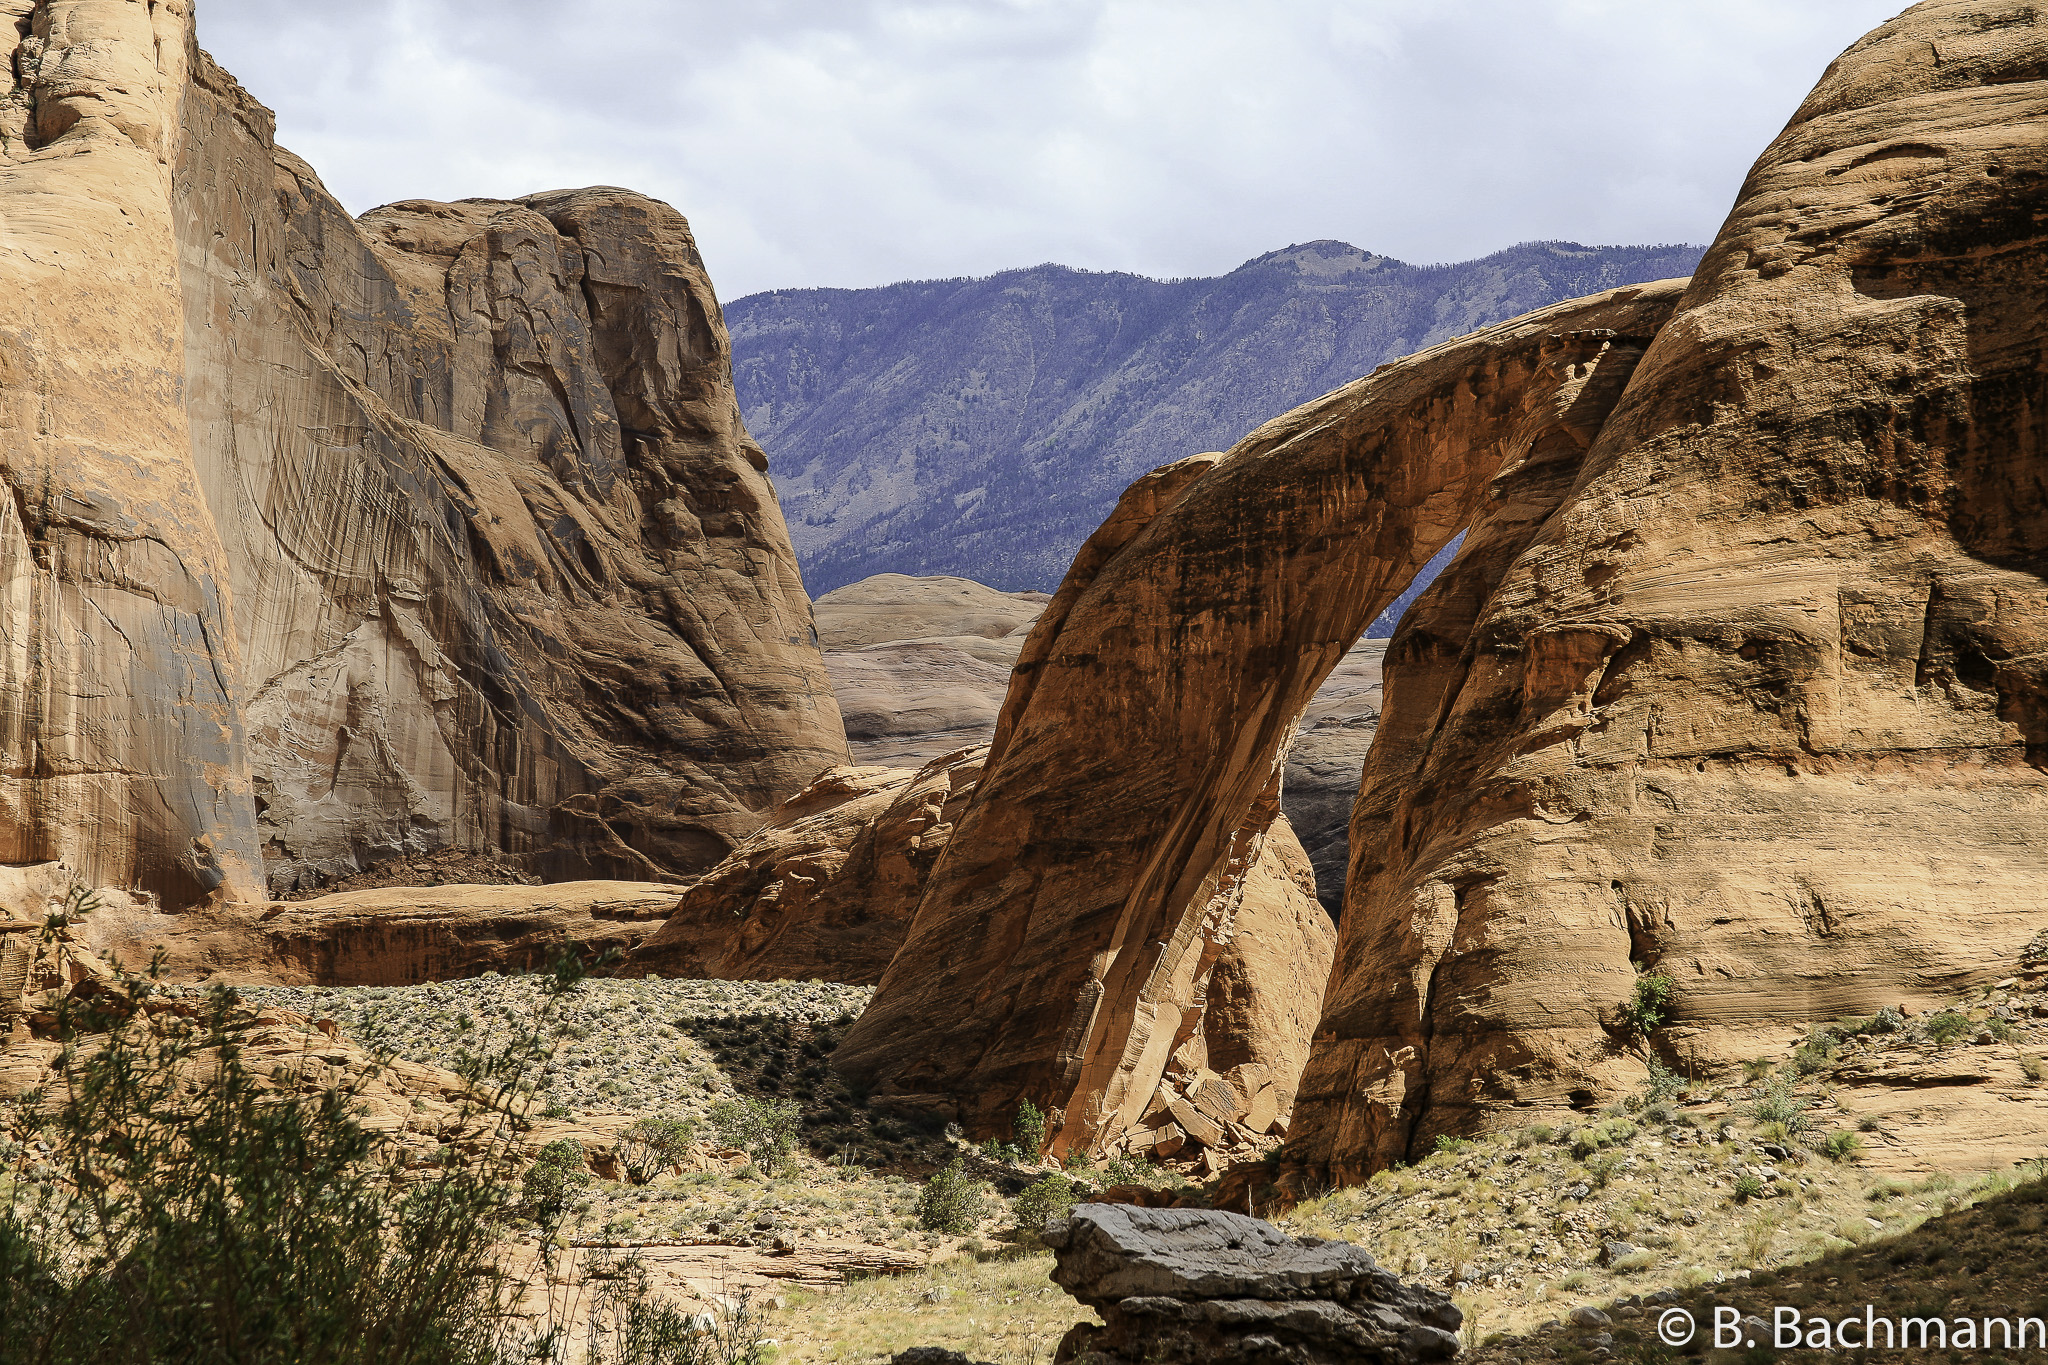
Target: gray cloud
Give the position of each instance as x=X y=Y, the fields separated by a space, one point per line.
x=854 y=142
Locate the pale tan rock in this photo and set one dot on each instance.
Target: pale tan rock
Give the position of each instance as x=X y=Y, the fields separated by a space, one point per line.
x=389 y=936
x=894 y=606
x=826 y=889
x=1135 y=771
x=334 y=540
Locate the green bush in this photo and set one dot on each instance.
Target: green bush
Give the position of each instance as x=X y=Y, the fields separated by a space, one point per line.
x=1649 y=1006
x=1946 y=1027
x=173 y=1206
x=1748 y=1187
x=1663 y=1084
x=651 y=1146
x=556 y=1171
x=952 y=1201
x=1841 y=1146
x=764 y=1129
x=1779 y=1105
x=1050 y=1199
x=1030 y=1130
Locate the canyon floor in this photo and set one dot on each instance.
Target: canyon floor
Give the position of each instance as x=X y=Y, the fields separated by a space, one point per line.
x=1879 y=1157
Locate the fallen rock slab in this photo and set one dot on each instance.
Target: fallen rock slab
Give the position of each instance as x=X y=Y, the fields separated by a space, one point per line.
x=1191 y=1285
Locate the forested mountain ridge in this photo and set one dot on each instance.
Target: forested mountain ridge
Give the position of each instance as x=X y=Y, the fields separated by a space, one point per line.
x=983 y=427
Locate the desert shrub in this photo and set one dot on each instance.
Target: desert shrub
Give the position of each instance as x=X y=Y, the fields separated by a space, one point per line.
x=2033 y=1067
x=556 y=1171
x=1888 y=1188
x=1748 y=1187
x=1756 y=1068
x=2000 y=1029
x=952 y=1201
x=1659 y=1113
x=1602 y=1170
x=1036 y=1205
x=1812 y=1057
x=1946 y=1027
x=1535 y=1135
x=653 y=1145
x=1633 y=1263
x=1841 y=1145
x=1029 y=1127
x=1663 y=1083
x=1887 y=1020
x=175 y=1206
x=1779 y=1105
x=764 y=1129
x=1757 y=1236
x=1446 y=1145
x=1649 y=1005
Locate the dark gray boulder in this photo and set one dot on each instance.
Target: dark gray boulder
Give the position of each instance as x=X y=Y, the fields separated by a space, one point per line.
x=1188 y=1285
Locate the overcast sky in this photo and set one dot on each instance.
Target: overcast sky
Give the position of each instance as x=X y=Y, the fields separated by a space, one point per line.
x=856 y=142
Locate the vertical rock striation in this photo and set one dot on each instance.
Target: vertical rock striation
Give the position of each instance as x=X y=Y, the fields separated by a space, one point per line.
x=332 y=539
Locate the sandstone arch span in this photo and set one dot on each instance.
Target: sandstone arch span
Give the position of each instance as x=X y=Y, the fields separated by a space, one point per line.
x=1064 y=939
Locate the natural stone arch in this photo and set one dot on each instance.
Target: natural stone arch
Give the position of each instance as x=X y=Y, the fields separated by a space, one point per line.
x=1061 y=942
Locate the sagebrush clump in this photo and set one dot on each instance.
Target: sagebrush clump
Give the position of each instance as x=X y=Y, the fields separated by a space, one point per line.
x=952 y=1202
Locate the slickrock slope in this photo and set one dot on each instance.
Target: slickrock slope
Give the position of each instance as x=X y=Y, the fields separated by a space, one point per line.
x=331 y=541
x=893 y=606
x=1762 y=708
x=1135 y=769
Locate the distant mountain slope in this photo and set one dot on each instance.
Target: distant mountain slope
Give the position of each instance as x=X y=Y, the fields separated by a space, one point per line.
x=985 y=427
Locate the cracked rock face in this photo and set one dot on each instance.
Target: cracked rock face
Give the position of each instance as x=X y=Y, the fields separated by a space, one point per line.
x=1190 y=1285
x=331 y=540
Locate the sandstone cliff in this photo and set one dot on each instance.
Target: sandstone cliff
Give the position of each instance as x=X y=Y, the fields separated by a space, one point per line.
x=330 y=540
x=1760 y=708
x=1737 y=676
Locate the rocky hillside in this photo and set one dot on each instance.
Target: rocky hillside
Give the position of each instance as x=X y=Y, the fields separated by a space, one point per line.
x=335 y=541
x=985 y=427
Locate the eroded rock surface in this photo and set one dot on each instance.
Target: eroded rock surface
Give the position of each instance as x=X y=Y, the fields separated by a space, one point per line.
x=826 y=889
x=1760 y=707
x=1737 y=676
x=1202 y=1285
x=1136 y=767
x=331 y=540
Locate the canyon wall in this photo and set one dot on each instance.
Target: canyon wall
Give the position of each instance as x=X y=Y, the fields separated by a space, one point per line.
x=338 y=539
x=1761 y=708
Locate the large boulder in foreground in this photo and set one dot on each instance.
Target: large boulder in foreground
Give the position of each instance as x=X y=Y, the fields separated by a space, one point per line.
x=333 y=540
x=1181 y=1286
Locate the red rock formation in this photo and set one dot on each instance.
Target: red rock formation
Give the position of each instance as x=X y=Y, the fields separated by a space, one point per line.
x=1135 y=767
x=332 y=540
x=1741 y=683
x=826 y=888
x=1760 y=707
